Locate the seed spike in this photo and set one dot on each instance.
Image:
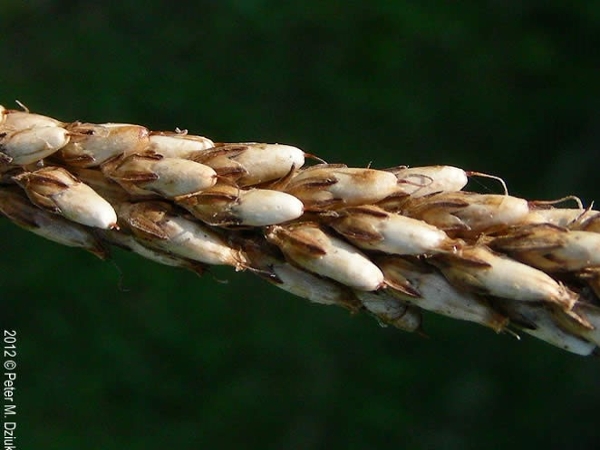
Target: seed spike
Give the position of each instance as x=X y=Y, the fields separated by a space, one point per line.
x=389 y=242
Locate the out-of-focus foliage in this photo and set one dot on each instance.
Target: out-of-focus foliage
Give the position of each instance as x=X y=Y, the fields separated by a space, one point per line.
x=136 y=356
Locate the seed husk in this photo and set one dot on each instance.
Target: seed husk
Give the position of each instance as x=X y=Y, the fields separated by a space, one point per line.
x=92 y=144
x=177 y=144
x=418 y=284
x=372 y=228
x=30 y=145
x=226 y=205
x=60 y=192
x=147 y=173
x=159 y=225
x=328 y=186
x=307 y=246
x=482 y=271
x=15 y=205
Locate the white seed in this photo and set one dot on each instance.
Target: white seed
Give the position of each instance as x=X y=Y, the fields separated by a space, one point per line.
x=309 y=247
x=93 y=144
x=480 y=270
x=466 y=211
x=56 y=190
x=252 y=163
x=17 y=208
x=372 y=228
x=30 y=145
x=2 y=114
x=429 y=290
x=261 y=207
x=159 y=226
x=421 y=181
x=170 y=177
x=552 y=248
x=177 y=145
x=267 y=162
x=541 y=323
x=21 y=120
x=227 y=205
x=325 y=186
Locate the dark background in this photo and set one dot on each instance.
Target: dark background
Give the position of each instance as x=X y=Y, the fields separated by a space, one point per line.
x=128 y=354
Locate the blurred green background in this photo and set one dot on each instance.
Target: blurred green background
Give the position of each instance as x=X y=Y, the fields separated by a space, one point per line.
x=132 y=355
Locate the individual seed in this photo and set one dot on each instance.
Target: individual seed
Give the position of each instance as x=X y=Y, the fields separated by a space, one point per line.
x=467 y=211
x=160 y=226
x=226 y=205
x=551 y=248
x=22 y=120
x=128 y=242
x=309 y=247
x=177 y=144
x=93 y=144
x=325 y=186
x=372 y=228
x=58 y=191
x=298 y=281
x=15 y=206
x=422 y=181
x=27 y=146
x=561 y=217
x=420 y=285
x=252 y=163
x=170 y=177
x=540 y=322
x=485 y=272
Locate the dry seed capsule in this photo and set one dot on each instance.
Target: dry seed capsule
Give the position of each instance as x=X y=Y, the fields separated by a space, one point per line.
x=323 y=186
x=55 y=189
x=227 y=205
x=487 y=273
x=467 y=211
x=159 y=225
x=170 y=177
x=426 y=288
x=539 y=322
x=372 y=228
x=30 y=145
x=390 y=310
x=307 y=246
x=15 y=206
x=421 y=181
x=253 y=163
x=177 y=144
x=93 y=144
x=551 y=248
x=21 y=120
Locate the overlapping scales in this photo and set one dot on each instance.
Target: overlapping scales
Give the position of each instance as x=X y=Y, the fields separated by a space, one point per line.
x=392 y=242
